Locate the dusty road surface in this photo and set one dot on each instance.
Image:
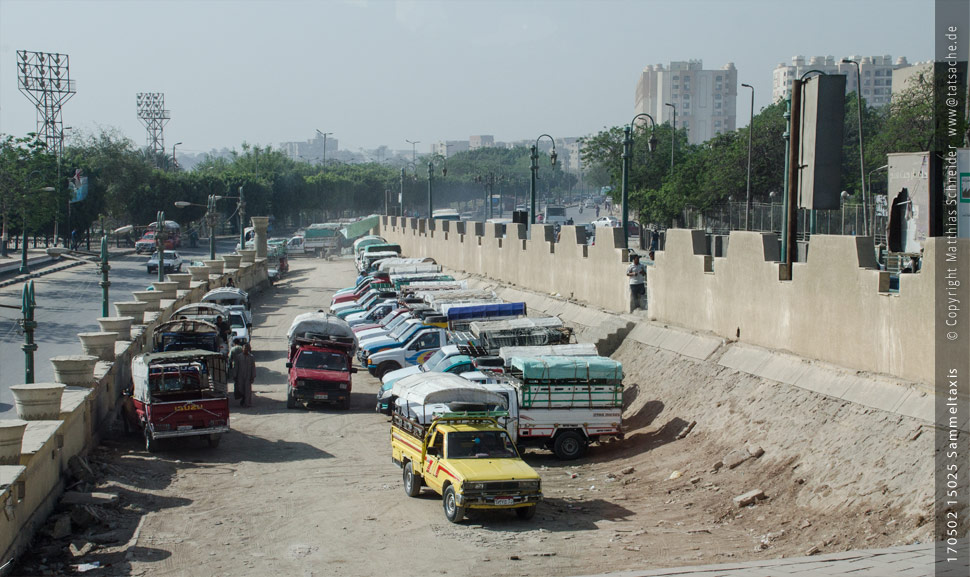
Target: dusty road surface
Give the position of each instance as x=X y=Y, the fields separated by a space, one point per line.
x=314 y=493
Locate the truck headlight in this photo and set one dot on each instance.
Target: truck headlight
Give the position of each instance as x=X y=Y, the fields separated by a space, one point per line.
x=343 y=386
x=474 y=486
x=529 y=485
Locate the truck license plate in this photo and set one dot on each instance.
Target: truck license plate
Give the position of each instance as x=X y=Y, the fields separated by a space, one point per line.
x=320 y=395
x=504 y=500
x=185 y=427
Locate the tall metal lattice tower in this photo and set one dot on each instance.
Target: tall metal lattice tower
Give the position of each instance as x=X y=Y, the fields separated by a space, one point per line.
x=152 y=113
x=45 y=78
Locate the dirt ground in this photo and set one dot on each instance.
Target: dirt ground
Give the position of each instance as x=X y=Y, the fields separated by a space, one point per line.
x=313 y=492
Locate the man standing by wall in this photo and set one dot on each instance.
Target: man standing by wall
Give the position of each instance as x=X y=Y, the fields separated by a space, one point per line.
x=638 y=276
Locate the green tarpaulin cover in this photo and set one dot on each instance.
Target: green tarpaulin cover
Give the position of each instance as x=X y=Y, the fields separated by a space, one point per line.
x=361 y=227
x=561 y=368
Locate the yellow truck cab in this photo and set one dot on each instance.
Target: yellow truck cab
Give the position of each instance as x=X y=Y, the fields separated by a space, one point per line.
x=469 y=459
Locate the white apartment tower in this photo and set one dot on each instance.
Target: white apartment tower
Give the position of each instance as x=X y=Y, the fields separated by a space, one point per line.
x=876 y=71
x=706 y=100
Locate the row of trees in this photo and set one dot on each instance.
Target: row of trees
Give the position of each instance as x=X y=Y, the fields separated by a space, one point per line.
x=127 y=187
x=706 y=175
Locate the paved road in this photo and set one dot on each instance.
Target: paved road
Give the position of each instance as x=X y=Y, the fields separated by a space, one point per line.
x=69 y=302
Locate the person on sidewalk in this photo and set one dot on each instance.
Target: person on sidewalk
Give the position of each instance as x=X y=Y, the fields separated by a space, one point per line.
x=638 y=276
x=243 y=375
x=234 y=352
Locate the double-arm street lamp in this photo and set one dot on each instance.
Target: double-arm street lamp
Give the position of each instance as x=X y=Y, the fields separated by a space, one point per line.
x=627 y=156
x=444 y=172
x=862 y=157
x=747 y=198
x=175 y=163
x=324 y=135
x=24 y=269
x=211 y=214
x=413 y=144
x=534 y=156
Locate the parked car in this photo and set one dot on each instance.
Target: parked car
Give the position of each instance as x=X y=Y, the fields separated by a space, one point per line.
x=589 y=204
x=173 y=262
x=606 y=221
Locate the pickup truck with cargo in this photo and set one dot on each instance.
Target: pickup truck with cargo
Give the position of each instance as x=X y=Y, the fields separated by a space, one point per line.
x=526 y=331
x=323 y=240
x=454 y=359
x=469 y=460
x=321 y=348
x=177 y=394
x=560 y=403
x=410 y=344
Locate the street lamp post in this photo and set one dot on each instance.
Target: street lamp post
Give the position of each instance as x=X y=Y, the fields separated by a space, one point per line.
x=28 y=324
x=242 y=219
x=102 y=262
x=210 y=219
x=673 y=135
x=324 y=135
x=413 y=143
x=862 y=157
x=160 y=241
x=444 y=172
x=175 y=162
x=624 y=183
x=747 y=198
x=24 y=268
x=535 y=173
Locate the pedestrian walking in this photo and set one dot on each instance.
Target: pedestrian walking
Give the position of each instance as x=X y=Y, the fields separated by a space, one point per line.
x=243 y=375
x=638 y=276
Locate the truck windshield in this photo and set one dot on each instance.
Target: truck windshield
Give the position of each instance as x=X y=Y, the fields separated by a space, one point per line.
x=400 y=330
x=321 y=361
x=436 y=358
x=236 y=321
x=555 y=211
x=481 y=445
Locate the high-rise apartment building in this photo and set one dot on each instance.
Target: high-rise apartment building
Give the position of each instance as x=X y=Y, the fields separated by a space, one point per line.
x=705 y=100
x=876 y=71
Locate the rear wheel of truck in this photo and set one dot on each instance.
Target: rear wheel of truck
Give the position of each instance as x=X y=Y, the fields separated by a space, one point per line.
x=453 y=512
x=214 y=440
x=386 y=367
x=526 y=513
x=290 y=401
x=412 y=484
x=569 y=445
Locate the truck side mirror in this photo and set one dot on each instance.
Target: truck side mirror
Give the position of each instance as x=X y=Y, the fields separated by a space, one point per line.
x=353 y=370
x=289 y=365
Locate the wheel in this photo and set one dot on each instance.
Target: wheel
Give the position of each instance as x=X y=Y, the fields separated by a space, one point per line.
x=291 y=403
x=384 y=368
x=412 y=483
x=179 y=268
x=453 y=512
x=569 y=445
x=151 y=445
x=526 y=513
x=214 y=440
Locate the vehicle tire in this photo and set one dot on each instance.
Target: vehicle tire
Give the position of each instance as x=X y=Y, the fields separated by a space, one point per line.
x=151 y=445
x=179 y=269
x=453 y=512
x=291 y=403
x=412 y=483
x=214 y=440
x=384 y=368
x=569 y=445
x=526 y=513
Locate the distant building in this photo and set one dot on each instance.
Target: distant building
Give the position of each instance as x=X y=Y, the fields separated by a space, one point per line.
x=902 y=77
x=877 y=75
x=313 y=150
x=477 y=141
x=706 y=100
x=451 y=147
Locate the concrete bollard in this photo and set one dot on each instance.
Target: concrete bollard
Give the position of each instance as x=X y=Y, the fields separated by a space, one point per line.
x=11 y=440
x=101 y=345
x=75 y=370
x=199 y=273
x=153 y=298
x=134 y=309
x=215 y=266
x=169 y=289
x=182 y=279
x=231 y=260
x=39 y=401
x=121 y=326
x=248 y=255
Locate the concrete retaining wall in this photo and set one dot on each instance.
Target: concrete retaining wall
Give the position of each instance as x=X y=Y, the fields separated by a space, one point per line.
x=29 y=491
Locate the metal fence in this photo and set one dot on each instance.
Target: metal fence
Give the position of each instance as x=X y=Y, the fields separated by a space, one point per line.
x=768 y=217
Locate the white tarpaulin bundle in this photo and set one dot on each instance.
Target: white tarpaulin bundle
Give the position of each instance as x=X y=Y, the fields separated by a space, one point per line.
x=422 y=396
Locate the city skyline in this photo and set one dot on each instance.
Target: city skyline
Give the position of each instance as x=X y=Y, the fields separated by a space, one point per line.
x=388 y=72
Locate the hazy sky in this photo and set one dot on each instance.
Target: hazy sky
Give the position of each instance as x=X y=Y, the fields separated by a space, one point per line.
x=377 y=72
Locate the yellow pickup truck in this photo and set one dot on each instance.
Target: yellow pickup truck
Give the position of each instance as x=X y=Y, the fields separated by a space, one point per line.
x=469 y=460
